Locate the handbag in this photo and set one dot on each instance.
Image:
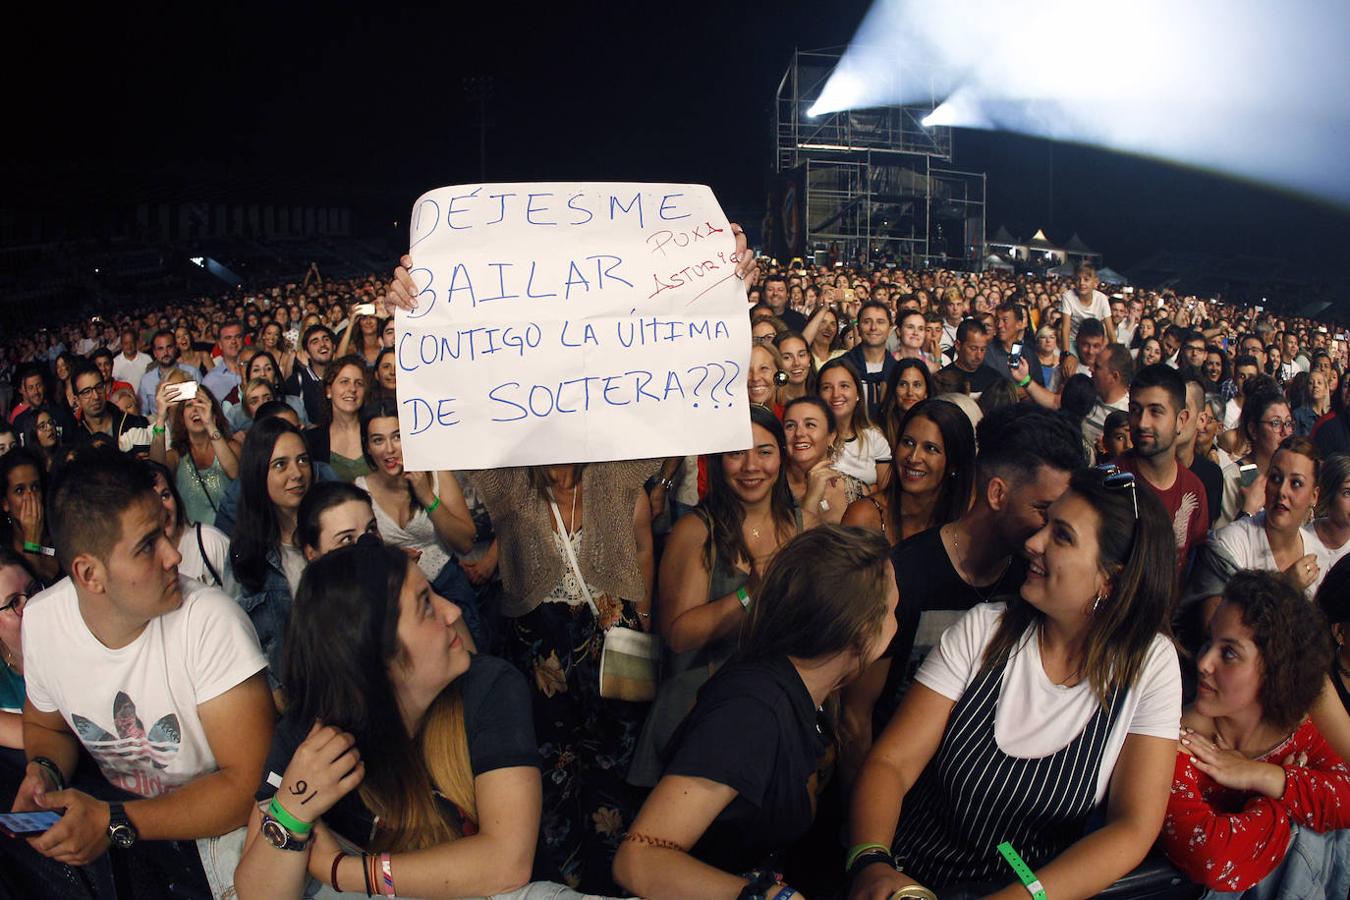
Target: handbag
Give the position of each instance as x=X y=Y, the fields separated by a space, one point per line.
x=630 y=659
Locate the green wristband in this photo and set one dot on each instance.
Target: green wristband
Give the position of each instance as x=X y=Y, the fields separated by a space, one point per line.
x=1024 y=382
x=288 y=821
x=436 y=504
x=1022 y=871
x=744 y=596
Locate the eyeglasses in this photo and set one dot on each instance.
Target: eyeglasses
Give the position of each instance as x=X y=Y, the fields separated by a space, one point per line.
x=16 y=602
x=1115 y=479
x=1279 y=424
x=89 y=391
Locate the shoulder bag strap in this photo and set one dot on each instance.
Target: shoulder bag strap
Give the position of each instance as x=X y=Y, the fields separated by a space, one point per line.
x=206 y=559
x=572 y=556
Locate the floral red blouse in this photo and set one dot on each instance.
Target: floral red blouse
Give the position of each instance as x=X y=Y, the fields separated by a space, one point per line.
x=1230 y=840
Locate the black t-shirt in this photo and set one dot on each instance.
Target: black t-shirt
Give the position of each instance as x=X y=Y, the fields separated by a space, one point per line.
x=794 y=320
x=932 y=597
x=496 y=717
x=756 y=730
x=979 y=380
x=1332 y=437
x=1211 y=476
x=121 y=424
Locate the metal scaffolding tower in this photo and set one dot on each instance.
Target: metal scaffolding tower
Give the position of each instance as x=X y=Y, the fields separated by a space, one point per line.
x=878 y=183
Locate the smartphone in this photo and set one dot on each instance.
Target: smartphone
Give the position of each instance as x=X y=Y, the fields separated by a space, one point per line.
x=363 y=309
x=849 y=294
x=27 y=824
x=1015 y=357
x=1321 y=329
x=1247 y=474
x=185 y=390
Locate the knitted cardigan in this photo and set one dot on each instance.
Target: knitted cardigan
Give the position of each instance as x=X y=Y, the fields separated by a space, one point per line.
x=529 y=563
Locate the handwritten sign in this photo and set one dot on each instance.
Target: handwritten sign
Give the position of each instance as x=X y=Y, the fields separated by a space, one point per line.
x=576 y=322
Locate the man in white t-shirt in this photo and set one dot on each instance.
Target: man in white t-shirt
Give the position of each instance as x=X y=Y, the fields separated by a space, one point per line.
x=130 y=364
x=1086 y=302
x=159 y=677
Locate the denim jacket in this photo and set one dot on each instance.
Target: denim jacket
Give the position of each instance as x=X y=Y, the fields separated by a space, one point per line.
x=270 y=609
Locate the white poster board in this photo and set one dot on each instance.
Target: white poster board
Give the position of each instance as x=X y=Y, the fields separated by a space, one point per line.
x=571 y=322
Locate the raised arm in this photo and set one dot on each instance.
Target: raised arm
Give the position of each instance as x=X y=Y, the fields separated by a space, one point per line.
x=451 y=518
x=686 y=618
x=1043 y=397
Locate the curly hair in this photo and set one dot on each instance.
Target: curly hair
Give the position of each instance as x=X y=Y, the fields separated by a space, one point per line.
x=1291 y=635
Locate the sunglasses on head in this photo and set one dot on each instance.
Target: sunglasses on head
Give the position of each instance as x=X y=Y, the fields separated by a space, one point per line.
x=1116 y=479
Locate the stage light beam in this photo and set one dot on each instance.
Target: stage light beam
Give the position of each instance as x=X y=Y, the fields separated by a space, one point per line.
x=1239 y=87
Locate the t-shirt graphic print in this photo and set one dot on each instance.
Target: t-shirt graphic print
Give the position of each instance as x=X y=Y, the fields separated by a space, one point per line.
x=124 y=757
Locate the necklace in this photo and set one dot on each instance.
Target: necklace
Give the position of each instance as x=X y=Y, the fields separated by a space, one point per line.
x=985 y=594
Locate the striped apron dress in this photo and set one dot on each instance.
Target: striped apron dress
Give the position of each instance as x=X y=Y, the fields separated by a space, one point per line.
x=972 y=796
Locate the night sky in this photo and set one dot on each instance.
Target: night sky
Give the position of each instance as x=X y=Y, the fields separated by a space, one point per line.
x=365 y=106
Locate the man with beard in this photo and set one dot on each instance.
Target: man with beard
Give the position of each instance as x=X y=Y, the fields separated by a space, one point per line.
x=870 y=358
x=1025 y=457
x=1158 y=416
x=306 y=380
x=98 y=416
x=165 y=353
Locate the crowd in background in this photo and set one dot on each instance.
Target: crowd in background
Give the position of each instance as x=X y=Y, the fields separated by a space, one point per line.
x=1012 y=561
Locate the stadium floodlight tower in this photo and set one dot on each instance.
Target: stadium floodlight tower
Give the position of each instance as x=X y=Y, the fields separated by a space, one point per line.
x=876 y=182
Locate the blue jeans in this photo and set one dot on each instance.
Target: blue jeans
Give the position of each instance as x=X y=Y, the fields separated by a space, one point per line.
x=1315 y=866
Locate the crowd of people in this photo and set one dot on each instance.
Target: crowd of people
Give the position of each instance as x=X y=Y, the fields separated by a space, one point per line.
x=1020 y=589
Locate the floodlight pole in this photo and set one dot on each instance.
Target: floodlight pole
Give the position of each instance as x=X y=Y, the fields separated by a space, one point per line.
x=478 y=88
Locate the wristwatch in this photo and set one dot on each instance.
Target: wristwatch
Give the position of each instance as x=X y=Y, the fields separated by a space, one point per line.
x=120 y=830
x=278 y=836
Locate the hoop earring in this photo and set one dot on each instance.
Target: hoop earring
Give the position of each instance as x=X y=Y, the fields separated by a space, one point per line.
x=1096 y=604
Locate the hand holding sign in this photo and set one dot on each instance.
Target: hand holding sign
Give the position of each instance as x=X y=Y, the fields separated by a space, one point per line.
x=560 y=323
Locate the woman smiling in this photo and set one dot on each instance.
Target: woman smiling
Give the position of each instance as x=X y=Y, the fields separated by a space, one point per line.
x=933 y=475
x=710 y=574
x=816 y=485
x=863 y=451
x=797 y=362
x=764 y=378
x=1029 y=717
